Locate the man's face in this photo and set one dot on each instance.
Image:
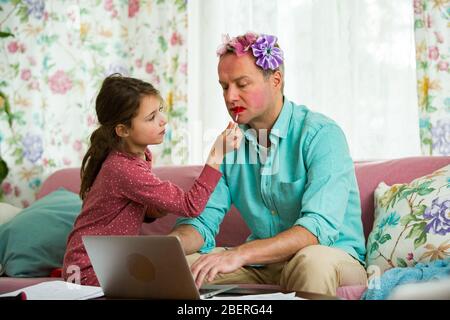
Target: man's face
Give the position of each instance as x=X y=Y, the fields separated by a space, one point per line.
x=245 y=90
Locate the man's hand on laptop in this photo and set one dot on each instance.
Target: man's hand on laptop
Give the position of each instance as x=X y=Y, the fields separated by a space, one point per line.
x=205 y=268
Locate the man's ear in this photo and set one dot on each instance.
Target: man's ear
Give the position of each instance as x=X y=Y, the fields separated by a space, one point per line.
x=277 y=79
x=121 y=130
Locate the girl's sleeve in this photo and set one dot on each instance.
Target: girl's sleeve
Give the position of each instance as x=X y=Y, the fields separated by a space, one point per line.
x=139 y=184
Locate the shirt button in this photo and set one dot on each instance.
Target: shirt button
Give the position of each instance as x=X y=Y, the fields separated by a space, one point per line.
x=273 y=212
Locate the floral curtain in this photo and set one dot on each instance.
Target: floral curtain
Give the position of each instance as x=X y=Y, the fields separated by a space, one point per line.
x=52 y=68
x=432 y=25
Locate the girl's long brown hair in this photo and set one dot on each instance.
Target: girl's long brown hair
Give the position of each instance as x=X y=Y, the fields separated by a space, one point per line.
x=117 y=103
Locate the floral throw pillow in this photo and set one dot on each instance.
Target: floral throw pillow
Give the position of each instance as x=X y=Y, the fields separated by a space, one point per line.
x=412 y=222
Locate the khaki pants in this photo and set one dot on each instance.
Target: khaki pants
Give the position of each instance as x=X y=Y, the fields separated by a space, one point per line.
x=317 y=268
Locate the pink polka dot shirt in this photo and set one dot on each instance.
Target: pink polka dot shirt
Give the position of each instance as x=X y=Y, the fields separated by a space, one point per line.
x=123 y=190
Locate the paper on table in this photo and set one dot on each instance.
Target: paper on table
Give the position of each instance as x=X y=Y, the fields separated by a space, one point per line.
x=266 y=296
x=58 y=290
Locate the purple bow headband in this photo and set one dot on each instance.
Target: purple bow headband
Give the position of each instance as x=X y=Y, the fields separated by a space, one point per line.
x=264 y=48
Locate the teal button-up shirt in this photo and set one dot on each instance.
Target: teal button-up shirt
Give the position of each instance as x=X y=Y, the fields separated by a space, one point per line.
x=305 y=178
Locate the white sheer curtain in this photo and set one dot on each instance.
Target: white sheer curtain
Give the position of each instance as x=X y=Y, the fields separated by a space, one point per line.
x=352 y=60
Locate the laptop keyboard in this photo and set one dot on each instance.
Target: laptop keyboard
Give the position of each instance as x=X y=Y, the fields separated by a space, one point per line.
x=206 y=291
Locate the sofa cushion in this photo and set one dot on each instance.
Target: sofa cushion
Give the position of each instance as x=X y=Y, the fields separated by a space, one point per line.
x=68 y=178
x=8 y=212
x=351 y=292
x=34 y=242
x=370 y=173
x=412 y=222
x=233 y=230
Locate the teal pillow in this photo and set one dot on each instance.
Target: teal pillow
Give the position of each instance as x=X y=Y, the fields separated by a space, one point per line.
x=33 y=243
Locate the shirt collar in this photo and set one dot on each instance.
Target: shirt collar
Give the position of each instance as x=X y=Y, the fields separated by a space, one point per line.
x=280 y=127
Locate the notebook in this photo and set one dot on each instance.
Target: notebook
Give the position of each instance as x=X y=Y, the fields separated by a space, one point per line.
x=57 y=290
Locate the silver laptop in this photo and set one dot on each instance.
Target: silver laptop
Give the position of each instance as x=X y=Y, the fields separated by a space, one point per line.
x=147 y=267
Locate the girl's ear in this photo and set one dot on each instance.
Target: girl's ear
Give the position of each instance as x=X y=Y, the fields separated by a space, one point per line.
x=121 y=130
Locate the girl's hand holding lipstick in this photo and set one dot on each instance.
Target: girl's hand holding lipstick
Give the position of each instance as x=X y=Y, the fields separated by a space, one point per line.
x=229 y=140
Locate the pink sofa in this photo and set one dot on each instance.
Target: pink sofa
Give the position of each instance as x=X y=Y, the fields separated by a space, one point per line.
x=233 y=230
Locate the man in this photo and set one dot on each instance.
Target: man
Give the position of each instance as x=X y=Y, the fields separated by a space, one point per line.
x=292 y=180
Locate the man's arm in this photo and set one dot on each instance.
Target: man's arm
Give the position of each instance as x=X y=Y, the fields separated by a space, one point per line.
x=199 y=234
x=276 y=249
x=191 y=240
x=279 y=248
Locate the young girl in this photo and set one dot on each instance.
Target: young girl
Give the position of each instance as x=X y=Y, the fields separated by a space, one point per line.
x=118 y=187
